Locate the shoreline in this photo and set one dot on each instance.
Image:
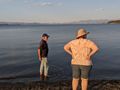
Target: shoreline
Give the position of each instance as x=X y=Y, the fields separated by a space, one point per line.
x=60 y=85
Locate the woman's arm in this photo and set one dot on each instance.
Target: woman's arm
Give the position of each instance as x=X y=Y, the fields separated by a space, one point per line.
x=94 y=49
x=67 y=49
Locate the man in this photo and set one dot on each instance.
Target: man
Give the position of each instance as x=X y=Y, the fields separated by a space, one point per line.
x=81 y=50
x=42 y=55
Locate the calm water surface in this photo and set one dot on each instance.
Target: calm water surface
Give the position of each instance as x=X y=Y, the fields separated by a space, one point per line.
x=18 y=51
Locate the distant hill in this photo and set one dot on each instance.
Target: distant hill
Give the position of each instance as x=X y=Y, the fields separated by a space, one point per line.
x=18 y=23
x=73 y=22
x=114 y=22
x=105 y=21
x=91 y=22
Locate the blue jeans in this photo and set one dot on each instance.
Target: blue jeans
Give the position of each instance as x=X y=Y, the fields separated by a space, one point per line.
x=44 y=66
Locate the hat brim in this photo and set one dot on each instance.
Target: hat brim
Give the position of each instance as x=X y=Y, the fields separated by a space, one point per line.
x=82 y=35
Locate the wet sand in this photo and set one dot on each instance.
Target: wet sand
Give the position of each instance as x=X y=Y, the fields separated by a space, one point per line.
x=62 y=85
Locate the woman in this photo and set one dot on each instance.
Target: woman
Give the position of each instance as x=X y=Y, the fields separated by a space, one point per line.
x=81 y=50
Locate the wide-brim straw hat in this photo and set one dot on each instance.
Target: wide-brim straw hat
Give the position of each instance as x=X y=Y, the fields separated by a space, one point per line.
x=81 y=32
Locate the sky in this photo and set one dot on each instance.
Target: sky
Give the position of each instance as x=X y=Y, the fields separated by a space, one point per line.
x=58 y=11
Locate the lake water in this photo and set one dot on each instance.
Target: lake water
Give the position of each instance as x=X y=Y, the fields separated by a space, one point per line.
x=18 y=51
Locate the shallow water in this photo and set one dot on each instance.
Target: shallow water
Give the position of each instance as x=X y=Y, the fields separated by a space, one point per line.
x=18 y=51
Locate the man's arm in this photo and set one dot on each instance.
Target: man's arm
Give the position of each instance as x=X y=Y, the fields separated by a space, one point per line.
x=39 y=54
x=39 y=50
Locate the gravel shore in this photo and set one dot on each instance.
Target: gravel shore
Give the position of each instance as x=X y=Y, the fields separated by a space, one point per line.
x=62 y=85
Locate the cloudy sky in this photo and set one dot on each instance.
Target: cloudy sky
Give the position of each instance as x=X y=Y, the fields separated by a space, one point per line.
x=58 y=11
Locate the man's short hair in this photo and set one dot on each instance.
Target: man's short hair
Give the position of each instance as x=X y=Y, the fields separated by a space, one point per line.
x=45 y=35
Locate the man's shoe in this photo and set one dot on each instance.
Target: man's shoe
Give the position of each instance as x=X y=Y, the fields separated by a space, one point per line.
x=41 y=77
x=45 y=78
